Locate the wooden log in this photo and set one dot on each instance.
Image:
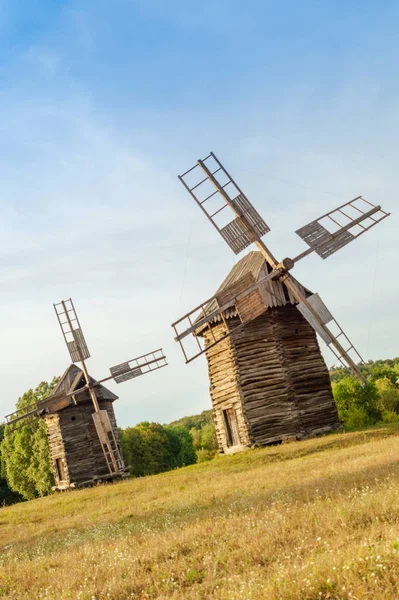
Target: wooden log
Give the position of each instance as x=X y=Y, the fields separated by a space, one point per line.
x=273 y=376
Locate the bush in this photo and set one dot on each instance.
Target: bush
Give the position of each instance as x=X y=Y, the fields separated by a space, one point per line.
x=388 y=395
x=204 y=455
x=390 y=416
x=357 y=406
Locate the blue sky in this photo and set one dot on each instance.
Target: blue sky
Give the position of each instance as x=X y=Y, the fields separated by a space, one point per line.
x=102 y=105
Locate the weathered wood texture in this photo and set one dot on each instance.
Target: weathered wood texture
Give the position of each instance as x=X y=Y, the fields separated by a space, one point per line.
x=224 y=388
x=73 y=438
x=274 y=376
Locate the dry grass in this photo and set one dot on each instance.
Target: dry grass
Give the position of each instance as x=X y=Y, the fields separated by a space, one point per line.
x=310 y=520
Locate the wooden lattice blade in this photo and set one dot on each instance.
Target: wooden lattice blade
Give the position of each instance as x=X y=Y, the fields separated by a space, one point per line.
x=320 y=318
x=214 y=190
x=341 y=226
x=21 y=414
x=139 y=366
x=108 y=442
x=71 y=330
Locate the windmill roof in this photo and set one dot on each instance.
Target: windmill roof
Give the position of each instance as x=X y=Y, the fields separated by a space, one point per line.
x=250 y=263
x=70 y=381
x=274 y=292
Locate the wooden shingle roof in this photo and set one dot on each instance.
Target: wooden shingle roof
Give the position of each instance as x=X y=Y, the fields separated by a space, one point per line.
x=274 y=292
x=72 y=380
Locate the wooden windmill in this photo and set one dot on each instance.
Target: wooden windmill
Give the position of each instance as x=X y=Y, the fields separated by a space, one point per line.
x=268 y=378
x=79 y=416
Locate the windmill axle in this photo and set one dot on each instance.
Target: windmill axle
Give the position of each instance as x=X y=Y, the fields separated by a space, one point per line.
x=286 y=265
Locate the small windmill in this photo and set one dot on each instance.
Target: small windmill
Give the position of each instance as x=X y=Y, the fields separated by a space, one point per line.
x=259 y=283
x=74 y=392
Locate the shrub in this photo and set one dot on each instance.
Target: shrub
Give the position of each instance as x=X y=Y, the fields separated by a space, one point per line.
x=357 y=405
x=204 y=455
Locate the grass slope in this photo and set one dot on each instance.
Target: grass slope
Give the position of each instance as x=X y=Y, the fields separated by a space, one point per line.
x=309 y=520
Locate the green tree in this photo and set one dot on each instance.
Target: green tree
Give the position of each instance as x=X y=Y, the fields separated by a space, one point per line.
x=388 y=395
x=137 y=451
x=208 y=438
x=183 y=446
x=150 y=448
x=203 y=432
x=194 y=421
x=7 y=496
x=357 y=405
x=384 y=371
x=196 y=437
x=25 y=451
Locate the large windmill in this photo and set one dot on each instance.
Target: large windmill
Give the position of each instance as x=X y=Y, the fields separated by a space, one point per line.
x=268 y=378
x=79 y=416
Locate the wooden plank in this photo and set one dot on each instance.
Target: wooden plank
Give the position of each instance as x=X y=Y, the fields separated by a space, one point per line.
x=251 y=306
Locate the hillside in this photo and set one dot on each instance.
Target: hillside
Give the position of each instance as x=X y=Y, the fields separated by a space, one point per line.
x=313 y=519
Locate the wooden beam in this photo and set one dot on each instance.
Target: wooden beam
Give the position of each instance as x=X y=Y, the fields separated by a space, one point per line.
x=300 y=297
x=247 y=227
x=275 y=273
x=344 y=228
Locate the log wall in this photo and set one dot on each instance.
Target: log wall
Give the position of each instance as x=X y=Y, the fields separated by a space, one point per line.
x=308 y=374
x=224 y=388
x=73 y=438
x=272 y=372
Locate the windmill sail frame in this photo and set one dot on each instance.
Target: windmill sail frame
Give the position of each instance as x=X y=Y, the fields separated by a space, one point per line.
x=324 y=242
x=139 y=366
x=248 y=226
x=71 y=330
x=332 y=341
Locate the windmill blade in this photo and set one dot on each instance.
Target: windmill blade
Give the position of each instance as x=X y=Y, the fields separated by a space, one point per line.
x=139 y=366
x=51 y=404
x=106 y=436
x=21 y=415
x=320 y=318
x=71 y=330
x=217 y=191
x=340 y=227
x=243 y=298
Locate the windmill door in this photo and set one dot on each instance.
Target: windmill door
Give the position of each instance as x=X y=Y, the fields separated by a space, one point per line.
x=230 y=422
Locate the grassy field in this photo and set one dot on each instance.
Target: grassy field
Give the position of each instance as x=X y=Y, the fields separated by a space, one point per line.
x=310 y=520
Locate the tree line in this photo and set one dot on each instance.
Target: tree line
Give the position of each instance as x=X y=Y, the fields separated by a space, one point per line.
x=150 y=448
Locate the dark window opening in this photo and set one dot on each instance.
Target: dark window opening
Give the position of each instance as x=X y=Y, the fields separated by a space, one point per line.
x=286 y=294
x=73 y=418
x=231 y=426
x=60 y=469
x=81 y=383
x=296 y=330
